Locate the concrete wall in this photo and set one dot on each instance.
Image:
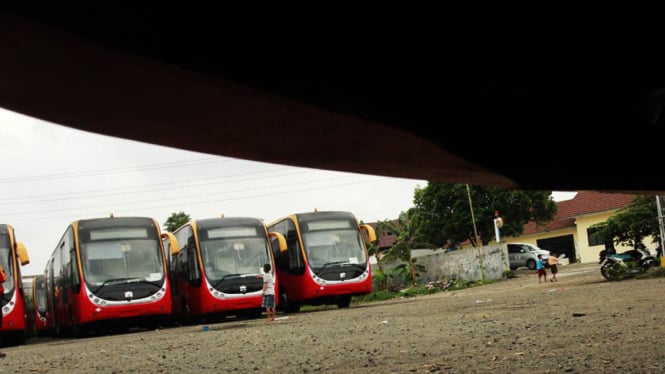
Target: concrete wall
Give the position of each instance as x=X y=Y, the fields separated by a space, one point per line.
x=472 y=264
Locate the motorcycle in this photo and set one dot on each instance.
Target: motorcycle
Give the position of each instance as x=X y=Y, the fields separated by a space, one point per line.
x=617 y=266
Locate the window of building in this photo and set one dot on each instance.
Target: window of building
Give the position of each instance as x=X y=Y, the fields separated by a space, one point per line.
x=593 y=237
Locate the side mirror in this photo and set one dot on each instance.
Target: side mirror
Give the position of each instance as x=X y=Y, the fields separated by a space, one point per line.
x=22 y=254
x=371 y=234
x=280 y=239
x=173 y=243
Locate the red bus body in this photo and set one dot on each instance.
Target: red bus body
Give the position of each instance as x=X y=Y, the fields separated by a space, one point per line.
x=108 y=274
x=326 y=260
x=13 y=255
x=214 y=267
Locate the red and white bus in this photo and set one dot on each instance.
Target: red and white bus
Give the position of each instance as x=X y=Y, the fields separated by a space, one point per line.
x=108 y=274
x=214 y=265
x=40 y=316
x=326 y=260
x=13 y=255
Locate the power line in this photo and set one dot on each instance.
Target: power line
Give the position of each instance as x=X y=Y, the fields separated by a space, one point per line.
x=117 y=208
x=146 y=188
x=110 y=171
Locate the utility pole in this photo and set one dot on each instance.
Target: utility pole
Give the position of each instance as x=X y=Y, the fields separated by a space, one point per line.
x=660 y=227
x=473 y=218
x=481 y=260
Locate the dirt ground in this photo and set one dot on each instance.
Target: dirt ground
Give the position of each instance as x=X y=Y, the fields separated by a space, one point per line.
x=581 y=324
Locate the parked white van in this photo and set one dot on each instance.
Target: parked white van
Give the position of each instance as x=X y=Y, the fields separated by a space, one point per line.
x=525 y=255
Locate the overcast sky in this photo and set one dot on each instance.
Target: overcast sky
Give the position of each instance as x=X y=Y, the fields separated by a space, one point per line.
x=53 y=175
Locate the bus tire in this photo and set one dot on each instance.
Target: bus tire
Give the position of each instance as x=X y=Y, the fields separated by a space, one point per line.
x=256 y=313
x=14 y=338
x=344 y=301
x=22 y=338
x=79 y=331
x=53 y=332
x=187 y=319
x=288 y=306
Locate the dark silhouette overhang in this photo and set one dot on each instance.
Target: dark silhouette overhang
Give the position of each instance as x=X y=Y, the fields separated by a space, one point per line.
x=412 y=105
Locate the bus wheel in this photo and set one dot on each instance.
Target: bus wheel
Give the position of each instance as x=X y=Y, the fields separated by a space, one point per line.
x=153 y=325
x=288 y=306
x=14 y=338
x=187 y=318
x=256 y=313
x=79 y=331
x=22 y=337
x=344 y=301
x=293 y=307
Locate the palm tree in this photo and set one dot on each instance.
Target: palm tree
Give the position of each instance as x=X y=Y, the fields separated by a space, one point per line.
x=373 y=250
x=408 y=239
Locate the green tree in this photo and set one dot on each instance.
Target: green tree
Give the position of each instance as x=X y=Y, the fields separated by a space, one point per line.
x=443 y=213
x=378 y=276
x=630 y=225
x=408 y=239
x=176 y=220
x=373 y=250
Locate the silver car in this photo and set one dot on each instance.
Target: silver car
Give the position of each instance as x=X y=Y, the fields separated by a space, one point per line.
x=525 y=255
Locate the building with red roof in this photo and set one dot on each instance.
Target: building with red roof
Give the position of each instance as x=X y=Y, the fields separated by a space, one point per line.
x=569 y=233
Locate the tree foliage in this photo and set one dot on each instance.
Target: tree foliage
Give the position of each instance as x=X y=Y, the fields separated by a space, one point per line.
x=407 y=240
x=630 y=225
x=442 y=211
x=176 y=220
x=378 y=276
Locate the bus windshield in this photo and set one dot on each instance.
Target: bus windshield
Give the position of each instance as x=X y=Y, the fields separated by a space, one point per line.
x=40 y=294
x=336 y=246
x=128 y=259
x=4 y=261
x=234 y=256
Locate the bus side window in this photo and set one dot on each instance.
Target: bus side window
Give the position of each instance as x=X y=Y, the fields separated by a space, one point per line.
x=281 y=258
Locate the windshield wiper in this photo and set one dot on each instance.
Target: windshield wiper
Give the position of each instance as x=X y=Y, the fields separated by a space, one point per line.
x=115 y=281
x=358 y=266
x=219 y=282
x=333 y=263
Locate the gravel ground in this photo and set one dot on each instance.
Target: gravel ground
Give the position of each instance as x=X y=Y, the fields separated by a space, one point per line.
x=581 y=324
